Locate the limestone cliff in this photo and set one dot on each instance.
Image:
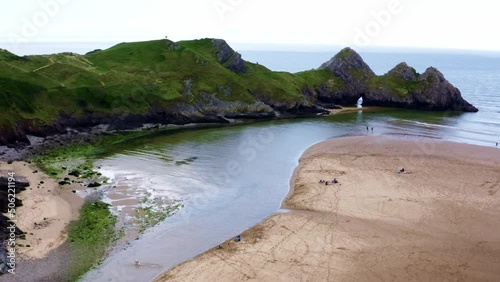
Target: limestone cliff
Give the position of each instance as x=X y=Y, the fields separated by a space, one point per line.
x=204 y=80
x=400 y=87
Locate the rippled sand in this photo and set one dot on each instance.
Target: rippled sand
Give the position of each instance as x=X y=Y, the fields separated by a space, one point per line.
x=438 y=223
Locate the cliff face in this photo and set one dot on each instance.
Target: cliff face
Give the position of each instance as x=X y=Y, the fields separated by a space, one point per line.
x=198 y=81
x=400 y=87
x=228 y=57
x=350 y=67
x=440 y=94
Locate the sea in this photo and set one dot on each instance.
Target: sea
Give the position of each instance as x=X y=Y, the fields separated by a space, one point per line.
x=475 y=74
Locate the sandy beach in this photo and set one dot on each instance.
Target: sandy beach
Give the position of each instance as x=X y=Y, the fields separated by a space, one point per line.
x=47 y=210
x=438 y=223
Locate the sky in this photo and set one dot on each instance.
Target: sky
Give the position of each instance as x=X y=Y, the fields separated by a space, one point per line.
x=254 y=24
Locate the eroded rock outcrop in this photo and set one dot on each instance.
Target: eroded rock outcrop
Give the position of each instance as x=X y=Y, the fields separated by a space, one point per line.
x=441 y=94
x=350 y=67
x=207 y=92
x=402 y=70
x=400 y=87
x=228 y=57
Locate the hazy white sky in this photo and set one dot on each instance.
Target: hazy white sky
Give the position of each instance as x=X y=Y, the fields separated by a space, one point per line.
x=399 y=23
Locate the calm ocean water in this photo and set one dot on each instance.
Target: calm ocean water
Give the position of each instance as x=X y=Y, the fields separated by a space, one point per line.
x=241 y=173
x=476 y=75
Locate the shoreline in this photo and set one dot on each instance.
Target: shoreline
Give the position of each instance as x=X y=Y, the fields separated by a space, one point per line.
x=307 y=207
x=46 y=213
x=90 y=135
x=47 y=210
x=46 y=233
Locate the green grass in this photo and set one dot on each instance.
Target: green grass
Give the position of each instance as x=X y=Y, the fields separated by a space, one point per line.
x=91 y=234
x=81 y=156
x=154 y=210
x=89 y=238
x=398 y=86
x=128 y=78
x=72 y=157
x=136 y=78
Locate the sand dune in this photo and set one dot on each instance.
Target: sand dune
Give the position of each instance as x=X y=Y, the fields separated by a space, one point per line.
x=439 y=223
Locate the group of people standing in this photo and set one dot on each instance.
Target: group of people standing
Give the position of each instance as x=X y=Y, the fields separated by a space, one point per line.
x=334 y=181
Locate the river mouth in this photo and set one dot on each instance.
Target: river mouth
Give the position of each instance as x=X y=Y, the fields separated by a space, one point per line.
x=228 y=179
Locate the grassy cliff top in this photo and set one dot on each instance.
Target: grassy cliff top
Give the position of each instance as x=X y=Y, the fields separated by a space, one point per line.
x=130 y=77
x=189 y=79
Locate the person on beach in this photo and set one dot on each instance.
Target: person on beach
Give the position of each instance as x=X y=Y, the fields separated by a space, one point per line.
x=403 y=171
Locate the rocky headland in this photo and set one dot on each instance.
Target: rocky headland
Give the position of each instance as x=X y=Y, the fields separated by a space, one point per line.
x=200 y=81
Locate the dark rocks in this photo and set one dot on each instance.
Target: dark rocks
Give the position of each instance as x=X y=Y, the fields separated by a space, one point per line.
x=402 y=70
x=4 y=202
x=349 y=78
x=401 y=87
x=350 y=67
x=346 y=62
x=6 y=228
x=94 y=185
x=75 y=173
x=13 y=135
x=228 y=57
x=20 y=184
x=4 y=261
x=440 y=94
x=172 y=45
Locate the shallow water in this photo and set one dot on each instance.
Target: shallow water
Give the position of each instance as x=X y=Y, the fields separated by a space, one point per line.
x=241 y=173
x=240 y=176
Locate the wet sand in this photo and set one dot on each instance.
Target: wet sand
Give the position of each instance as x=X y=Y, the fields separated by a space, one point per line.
x=47 y=210
x=438 y=223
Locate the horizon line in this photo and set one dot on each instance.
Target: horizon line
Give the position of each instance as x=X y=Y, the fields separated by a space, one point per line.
x=270 y=47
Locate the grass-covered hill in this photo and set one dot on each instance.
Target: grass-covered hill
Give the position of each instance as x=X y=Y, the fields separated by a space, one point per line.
x=190 y=81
